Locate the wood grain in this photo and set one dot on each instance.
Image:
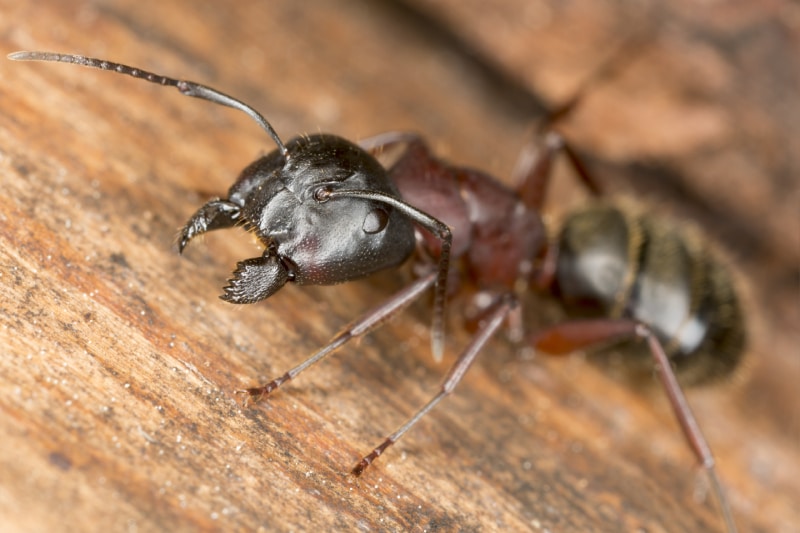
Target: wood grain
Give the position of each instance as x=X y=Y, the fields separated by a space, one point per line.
x=119 y=363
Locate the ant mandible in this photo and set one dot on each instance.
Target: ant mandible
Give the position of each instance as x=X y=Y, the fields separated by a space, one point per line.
x=326 y=212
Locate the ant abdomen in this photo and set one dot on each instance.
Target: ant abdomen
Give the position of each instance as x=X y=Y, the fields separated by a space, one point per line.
x=619 y=263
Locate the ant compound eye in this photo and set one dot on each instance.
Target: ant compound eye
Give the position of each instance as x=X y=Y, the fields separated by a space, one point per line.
x=322 y=194
x=375 y=221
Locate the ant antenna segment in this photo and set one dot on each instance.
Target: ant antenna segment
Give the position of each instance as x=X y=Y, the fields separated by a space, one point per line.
x=188 y=88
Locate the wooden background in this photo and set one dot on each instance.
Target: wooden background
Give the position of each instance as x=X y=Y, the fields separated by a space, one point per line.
x=118 y=362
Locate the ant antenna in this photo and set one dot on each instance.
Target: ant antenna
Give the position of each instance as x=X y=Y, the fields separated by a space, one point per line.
x=187 y=88
x=610 y=67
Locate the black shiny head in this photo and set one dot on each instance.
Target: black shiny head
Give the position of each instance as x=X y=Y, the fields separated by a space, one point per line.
x=310 y=236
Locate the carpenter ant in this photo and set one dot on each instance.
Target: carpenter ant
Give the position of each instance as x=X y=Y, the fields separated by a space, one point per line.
x=326 y=212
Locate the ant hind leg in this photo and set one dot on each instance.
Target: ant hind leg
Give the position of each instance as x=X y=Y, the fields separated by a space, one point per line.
x=579 y=334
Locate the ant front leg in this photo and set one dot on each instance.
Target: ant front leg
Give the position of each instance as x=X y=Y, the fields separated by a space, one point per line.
x=369 y=321
x=575 y=335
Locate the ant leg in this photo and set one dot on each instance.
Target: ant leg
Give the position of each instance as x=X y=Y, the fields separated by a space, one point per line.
x=588 y=181
x=216 y=214
x=369 y=321
x=386 y=140
x=574 y=335
x=532 y=171
x=691 y=429
x=505 y=305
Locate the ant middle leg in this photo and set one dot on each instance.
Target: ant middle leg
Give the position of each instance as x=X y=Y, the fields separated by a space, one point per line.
x=504 y=306
x=533 y=169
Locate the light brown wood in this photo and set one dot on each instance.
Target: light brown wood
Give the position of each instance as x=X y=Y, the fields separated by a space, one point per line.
x=119 y=364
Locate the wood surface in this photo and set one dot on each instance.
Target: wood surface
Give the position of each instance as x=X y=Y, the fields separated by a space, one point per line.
x=119 y=363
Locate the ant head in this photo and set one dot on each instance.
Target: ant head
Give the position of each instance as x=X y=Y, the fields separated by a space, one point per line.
x=326 y=212
x=307 y=210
